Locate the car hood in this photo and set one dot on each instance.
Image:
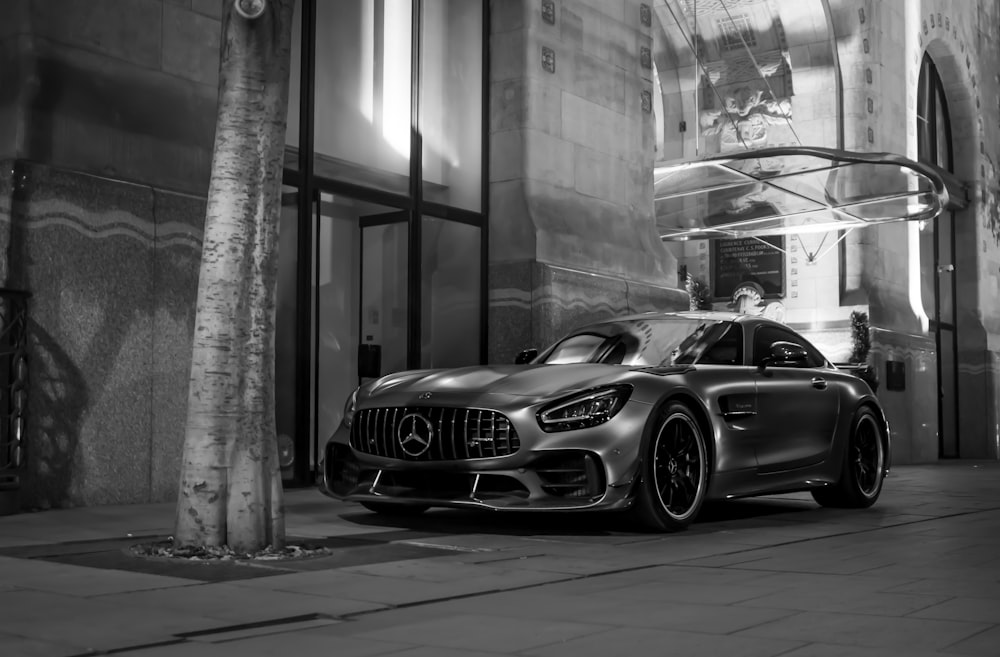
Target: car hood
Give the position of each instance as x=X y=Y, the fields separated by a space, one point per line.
x=509 y=380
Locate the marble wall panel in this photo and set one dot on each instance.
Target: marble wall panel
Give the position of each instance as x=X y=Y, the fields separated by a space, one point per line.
x=978 y=403
x=82 y=249
x=510 y=326
x=992 y=433
x=112 y=269
x=179 y=222
x=911 y=412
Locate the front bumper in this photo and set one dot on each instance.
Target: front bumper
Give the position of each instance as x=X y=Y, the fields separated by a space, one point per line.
x=562 y=479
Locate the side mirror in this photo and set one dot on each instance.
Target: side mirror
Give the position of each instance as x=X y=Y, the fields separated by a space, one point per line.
x=526 y=356
x=784 y=352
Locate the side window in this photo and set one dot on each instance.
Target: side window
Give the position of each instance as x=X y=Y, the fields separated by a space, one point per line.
x=815 y=359
x=765 y=336
x=614 y=355
x=728 y=350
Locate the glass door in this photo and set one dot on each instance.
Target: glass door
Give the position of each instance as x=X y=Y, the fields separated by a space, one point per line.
x=359 y=301
x=384 y=275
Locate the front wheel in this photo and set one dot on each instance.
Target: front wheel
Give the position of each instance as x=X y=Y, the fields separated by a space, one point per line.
x=674 y=477
x=864 y=466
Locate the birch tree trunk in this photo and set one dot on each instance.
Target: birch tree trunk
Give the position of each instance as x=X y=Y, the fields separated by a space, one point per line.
x=230 y=485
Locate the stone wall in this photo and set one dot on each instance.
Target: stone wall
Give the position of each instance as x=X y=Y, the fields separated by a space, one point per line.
x=120 y=88
x=97 y=99
x=572 y=139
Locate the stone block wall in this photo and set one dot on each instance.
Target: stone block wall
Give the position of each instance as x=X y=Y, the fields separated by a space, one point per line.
x=120 y=88
x=572 y=141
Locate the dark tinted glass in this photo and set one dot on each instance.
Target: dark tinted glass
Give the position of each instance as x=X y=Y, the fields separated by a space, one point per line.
x=728 y=350
x=765 y=336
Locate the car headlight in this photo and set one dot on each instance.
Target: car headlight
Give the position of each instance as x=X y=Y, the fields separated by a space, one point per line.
x=349 y=407
x=585 y=409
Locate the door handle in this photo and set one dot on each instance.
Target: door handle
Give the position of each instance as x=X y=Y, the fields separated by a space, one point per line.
x=819 y=383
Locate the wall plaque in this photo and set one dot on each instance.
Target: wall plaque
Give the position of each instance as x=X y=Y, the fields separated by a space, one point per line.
x=748 y=260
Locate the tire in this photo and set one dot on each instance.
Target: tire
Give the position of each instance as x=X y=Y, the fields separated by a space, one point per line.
x=394 y=509
x=864 y=466
x=674 y=472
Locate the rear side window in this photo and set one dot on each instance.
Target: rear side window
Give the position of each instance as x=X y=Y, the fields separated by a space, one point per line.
x=728 y=350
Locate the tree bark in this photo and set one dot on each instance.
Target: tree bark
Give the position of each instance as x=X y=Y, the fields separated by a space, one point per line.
x=230 y=486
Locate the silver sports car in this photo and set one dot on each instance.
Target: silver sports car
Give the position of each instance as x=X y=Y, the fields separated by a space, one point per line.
x=651 y=413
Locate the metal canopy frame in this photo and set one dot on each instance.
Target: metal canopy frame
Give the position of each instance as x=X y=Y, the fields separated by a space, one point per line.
x=797 y=189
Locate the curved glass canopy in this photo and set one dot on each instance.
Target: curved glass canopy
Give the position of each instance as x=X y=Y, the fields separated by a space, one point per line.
x=790 y=190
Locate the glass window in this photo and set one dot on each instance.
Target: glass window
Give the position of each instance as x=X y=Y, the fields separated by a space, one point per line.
x=384 y=282
x=765 y=336
x=285 y=317
x=450 y=293
x=675 y=342
x=651 y=343
x=362 y=105
x=727 y=351
x=294 y=91
x=451 y=95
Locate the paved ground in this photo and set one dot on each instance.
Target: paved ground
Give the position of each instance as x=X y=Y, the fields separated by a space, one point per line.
x=918 y=574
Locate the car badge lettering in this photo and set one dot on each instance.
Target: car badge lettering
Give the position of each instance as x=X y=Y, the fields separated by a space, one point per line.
x=414 y=434
x=425 y=395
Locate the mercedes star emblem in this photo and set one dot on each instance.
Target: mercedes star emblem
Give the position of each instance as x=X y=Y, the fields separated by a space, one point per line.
x=414 y=434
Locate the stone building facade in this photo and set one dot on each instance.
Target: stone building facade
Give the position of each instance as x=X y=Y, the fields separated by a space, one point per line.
x=107 y=113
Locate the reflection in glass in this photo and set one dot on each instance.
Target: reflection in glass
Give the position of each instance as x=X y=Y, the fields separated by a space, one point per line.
x=450 y=293
x=294 y=91
x=337 y=276
x=285 y=316
x=362 y=124
x=451 y=102
x=383 y=292
x=646 y=342
x=580 y=348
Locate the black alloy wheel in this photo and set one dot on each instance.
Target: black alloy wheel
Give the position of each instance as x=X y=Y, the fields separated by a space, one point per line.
x=864 y=466
x=675 y=472
x=865 y=456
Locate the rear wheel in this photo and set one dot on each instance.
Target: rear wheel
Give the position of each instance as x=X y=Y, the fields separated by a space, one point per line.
x=864 y=466
x=674 y=476
x=397 y=510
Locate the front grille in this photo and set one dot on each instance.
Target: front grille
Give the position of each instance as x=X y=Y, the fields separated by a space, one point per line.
x=454 y=433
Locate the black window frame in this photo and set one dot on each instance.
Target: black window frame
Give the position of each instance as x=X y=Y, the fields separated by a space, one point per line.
x=309 y=185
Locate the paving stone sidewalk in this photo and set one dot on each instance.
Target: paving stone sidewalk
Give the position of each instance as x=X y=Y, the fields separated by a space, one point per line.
x=918 y=574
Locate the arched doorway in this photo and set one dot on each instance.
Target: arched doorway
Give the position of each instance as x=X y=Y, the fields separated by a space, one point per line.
x=937 y=246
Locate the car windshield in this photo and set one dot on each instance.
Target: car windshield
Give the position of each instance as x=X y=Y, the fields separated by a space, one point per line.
x=653 y=342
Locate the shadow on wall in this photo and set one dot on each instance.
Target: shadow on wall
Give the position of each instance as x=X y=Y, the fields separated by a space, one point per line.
x=58 y=387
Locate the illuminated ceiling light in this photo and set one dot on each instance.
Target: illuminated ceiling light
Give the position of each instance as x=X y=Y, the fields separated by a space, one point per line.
x=734 y=195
